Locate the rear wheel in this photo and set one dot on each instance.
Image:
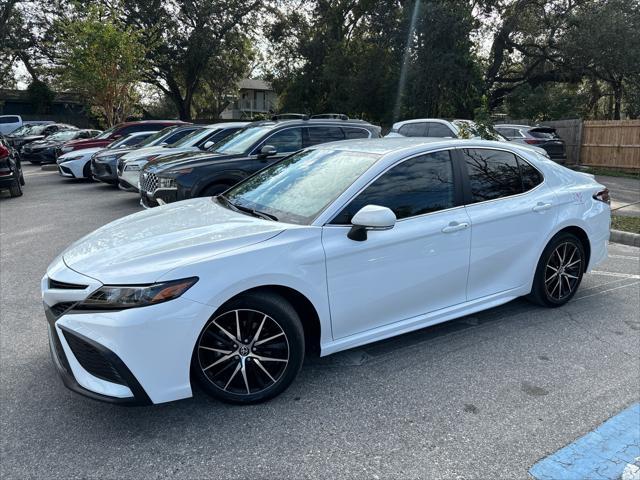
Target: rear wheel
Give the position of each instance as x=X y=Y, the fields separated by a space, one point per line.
x=251 y=350
x=559 y=272
x=16 y=189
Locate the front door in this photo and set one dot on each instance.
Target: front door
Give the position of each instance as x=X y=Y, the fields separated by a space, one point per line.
x=418 y=266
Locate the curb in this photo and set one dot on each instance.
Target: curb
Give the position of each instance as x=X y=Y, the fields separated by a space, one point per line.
x=50 y=167
x=625 y=238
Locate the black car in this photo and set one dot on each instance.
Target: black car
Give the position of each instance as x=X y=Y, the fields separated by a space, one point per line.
x=31 y=133
x=11 y=177
x=259 y=144
x=104 y=164
x=47 y=150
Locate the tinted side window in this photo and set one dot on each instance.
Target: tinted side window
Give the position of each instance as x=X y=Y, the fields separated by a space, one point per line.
x=285 y=141
x=531 y=177
x=439 y=130
x=507 y=132
x=323 y=135
x=350 y=132
x=417 y=186
x=492 y=174
x=134 y=140
x=413 y=130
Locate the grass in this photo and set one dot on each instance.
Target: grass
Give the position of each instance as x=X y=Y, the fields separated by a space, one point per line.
x=612 y=172
x=626 y=224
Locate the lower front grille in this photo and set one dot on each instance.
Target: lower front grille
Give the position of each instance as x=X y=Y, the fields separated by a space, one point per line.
x=59 y=308
x=65 y=286
x=92 y=360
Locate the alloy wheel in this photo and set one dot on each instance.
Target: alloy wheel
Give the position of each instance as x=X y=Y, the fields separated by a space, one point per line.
x=562 y=272
x=243 y=351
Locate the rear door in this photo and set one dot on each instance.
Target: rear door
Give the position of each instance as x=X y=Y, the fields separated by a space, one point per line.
x=512 y=212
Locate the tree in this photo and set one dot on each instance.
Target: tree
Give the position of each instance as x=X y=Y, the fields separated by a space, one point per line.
x=185 y=37
x=103 y=60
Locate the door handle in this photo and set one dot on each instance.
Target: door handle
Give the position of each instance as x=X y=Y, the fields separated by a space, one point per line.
x=541 y=207
x=455 y=227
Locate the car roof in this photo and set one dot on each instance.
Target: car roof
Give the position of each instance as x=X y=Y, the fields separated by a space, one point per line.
x=381 y=146
x=226 y=124
x=152 y=122
x=312 y=121
x=510 y=125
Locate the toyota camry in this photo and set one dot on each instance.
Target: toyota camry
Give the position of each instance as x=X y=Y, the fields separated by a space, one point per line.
x=336 y=246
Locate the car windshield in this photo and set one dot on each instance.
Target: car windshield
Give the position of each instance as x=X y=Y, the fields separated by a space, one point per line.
x=66 y=135
x=156 y=138
x=242 y=140
x=21 y=130
x=298 y=188
x=106 y=134
x=127 y=140
x=193 y=138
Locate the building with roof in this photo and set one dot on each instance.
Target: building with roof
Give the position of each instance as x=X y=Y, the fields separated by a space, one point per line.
x=255 y=97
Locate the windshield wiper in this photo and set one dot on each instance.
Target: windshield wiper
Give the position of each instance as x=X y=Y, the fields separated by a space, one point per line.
x=252 y=211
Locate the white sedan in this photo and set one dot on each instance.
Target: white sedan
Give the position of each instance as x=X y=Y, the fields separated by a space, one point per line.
x=336 y=246
x=75 y=164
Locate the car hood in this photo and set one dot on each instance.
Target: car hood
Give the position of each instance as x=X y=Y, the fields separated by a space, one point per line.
x=142 y=247
x=83 y=152
x=187 y=159
x=115 y=152
x=28 y=138
x=45 y=143
x=144 y=153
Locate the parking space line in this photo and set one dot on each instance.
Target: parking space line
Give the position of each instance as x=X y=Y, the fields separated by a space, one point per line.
x=615 y=274
x=636 y=257
x=603 y=453
x=608 y=290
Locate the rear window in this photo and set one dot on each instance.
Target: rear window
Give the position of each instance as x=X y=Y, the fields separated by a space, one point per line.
x=544 y=133
x=413 y=130
x=9 y=119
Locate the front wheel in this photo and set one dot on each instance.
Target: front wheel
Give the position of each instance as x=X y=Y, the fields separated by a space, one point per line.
x=251 y=350
x=215 y=189
x=559 y=272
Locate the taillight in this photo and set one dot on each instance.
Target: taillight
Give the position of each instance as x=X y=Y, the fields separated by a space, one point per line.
x=533 y=141
x=4 y=151
x=603 y=196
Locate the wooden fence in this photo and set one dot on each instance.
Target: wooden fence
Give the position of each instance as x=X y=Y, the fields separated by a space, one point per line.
x=611 y=143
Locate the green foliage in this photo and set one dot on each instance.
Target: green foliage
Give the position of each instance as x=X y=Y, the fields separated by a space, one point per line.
x=103 y=60
x=40 y=96
x=552 y=101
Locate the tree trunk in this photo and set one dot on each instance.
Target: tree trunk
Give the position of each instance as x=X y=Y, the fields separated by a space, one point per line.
x=617 y=100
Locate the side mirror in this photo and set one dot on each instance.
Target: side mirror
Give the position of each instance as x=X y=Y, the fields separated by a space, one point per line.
x=267 y=151
x=208 y=144
x=370 y=217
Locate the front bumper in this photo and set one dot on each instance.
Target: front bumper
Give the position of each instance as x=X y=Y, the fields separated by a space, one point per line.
x=138 y=356
x=40 y=156
x=105 y=171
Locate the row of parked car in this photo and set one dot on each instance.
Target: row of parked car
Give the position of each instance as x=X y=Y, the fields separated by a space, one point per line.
x=164 y=161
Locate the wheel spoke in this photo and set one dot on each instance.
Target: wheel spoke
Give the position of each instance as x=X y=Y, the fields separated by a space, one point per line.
x=228 y=334
x=257 y=335
x=238 y=336
x=220 y=360
x=569 y=265
x=551 y=277
x=218 y=350
x=570 y=276
x=261 y=342
x=552 y=268
x=268 y=359
x=243 y=370
x=233 y=375
x=560 y=284
x=259 y=364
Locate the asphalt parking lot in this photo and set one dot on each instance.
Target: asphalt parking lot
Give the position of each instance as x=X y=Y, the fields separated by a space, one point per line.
x=482 y=397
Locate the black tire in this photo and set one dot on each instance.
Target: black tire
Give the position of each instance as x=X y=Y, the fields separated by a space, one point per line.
x=560 y=270
x=215 y=189
x=16 y=189
x=86 y=171
x=253 y=369
x=22 y=182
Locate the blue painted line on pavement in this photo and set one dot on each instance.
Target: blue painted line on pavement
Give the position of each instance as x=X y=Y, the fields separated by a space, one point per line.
x=601 y=454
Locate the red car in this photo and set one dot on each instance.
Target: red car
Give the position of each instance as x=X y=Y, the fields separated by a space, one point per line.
x=108 y=136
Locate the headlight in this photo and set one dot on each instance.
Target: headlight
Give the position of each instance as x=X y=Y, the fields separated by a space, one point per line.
x=69 y=159
x=66 y=149
x=167 y=183
x=118 y=297
x=132 y=168
x=106 y=158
